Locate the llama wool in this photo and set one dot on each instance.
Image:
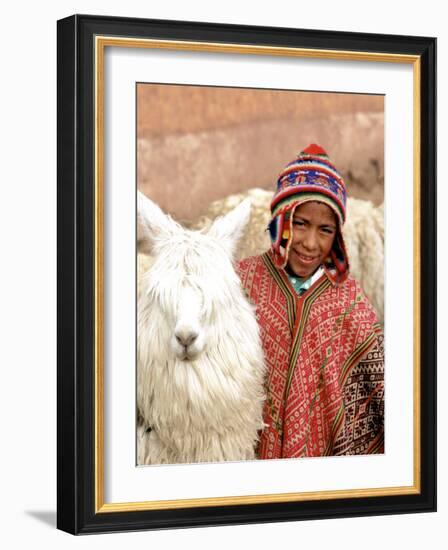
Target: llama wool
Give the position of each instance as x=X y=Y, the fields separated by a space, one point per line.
x=200 y=364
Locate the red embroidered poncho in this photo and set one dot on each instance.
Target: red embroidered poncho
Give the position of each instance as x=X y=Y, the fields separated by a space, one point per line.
x=324 y=352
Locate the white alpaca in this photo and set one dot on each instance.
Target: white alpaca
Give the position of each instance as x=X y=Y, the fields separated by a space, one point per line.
x=200 y=366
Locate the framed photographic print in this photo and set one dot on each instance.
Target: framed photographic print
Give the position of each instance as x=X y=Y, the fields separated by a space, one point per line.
x=246 y=274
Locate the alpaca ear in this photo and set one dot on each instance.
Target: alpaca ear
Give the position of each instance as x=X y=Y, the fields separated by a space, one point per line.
x=230 y=228
x=152 y=224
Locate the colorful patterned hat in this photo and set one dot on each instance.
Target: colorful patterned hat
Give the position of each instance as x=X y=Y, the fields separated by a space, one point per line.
x=310 y=177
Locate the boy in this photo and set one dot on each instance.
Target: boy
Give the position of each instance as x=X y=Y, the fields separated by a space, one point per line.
x=322 y=342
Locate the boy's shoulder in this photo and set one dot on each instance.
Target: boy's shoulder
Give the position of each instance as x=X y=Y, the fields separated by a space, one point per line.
x=247 y=263
x=352 y=282
x=352 y=288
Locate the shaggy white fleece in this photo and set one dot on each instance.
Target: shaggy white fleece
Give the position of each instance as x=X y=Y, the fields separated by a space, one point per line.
x=200 y=366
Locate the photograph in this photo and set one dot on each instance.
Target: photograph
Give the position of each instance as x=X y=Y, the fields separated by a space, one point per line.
x=260 y=302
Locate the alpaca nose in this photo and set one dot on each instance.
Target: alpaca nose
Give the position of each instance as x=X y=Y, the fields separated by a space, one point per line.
x=186 y=337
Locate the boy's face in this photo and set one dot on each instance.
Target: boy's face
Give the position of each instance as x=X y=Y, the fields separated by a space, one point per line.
x=314 y=229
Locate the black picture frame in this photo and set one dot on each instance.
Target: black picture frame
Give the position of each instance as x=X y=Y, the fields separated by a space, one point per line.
x=79 y=504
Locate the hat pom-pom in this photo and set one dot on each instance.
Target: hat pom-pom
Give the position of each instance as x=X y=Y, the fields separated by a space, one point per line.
x=314 y=149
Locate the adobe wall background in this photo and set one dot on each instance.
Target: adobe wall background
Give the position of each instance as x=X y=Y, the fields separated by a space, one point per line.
x=198 y=144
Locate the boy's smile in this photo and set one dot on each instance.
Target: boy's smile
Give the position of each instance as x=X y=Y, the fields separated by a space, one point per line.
x=314 y=229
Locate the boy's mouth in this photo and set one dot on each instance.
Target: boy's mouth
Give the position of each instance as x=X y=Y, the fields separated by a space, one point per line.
x=306 y=259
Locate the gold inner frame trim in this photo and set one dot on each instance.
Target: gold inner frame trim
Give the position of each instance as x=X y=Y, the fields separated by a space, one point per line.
x=101 y=42
x=256 y=499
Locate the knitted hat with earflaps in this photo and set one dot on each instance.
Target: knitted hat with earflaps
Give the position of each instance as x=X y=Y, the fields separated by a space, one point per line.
x=310 y=177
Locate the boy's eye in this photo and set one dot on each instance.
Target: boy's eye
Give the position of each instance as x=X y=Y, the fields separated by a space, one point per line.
x=298 y=222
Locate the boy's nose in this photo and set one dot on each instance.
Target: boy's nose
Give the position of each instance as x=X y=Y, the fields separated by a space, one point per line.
x=309 y=240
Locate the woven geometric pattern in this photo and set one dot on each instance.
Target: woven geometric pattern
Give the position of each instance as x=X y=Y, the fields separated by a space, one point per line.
x=324 y=352
x=362 y=431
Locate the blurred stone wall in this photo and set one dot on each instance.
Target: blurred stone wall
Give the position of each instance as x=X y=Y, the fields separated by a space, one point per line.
x=199 y=144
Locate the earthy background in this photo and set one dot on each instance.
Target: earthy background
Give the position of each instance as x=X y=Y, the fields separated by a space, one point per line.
x=199 y=144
